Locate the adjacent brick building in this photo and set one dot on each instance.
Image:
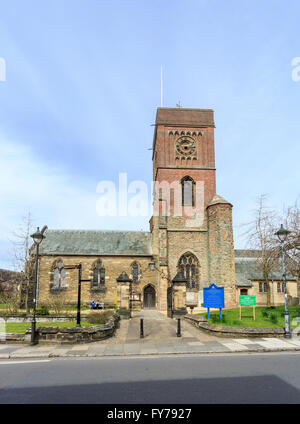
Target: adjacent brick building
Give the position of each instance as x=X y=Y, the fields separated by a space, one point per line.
x=190 y=243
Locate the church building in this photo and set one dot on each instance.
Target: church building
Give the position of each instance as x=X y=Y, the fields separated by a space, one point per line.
x=188 y=247
x=189 y=244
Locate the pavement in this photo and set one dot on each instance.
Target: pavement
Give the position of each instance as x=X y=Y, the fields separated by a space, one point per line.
x=159 y=339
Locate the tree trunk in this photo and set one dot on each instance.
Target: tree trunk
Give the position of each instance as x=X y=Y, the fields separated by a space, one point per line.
x=268 y=289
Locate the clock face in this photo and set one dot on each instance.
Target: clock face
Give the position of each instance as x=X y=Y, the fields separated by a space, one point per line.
x=185 y=146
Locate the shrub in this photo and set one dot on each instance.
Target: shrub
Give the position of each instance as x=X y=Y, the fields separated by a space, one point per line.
x=214 y=318
x=42 y=310
x=99 y=317
x=264 y=313
x=57 y=303
x=11 y=300
x=273 y=318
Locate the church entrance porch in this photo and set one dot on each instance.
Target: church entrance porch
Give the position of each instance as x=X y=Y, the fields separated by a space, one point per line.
x=149 y=297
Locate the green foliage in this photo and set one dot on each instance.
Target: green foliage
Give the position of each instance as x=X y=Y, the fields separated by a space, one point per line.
x=273 y=318
x=42 y=310
x=265 y=313
x=215 y=318
x=99 y=317
x=11 y=299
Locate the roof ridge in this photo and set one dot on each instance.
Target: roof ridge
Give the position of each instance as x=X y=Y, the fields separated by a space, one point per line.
x=102 y=231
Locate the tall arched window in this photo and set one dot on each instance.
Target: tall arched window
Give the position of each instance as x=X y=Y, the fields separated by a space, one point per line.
x=187 y=184
x=98 y=275
x=135 y=272
x=59 y=275
x=189 y=268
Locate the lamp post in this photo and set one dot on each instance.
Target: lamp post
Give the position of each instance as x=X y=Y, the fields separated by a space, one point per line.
x=37 y=237
x=282 y=234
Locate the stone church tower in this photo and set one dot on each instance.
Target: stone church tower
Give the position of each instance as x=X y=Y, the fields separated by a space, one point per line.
x=191 y=225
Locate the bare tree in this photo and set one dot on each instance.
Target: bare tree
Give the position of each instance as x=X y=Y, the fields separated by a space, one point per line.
x=261 y=237
x=292 y=223
x=22 y=259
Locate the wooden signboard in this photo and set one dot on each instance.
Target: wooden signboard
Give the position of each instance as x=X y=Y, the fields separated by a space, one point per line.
x=245 y=300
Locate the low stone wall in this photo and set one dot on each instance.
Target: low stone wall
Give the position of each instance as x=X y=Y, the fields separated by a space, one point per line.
x=40 y=318
x=64 y=335
x=233 y=332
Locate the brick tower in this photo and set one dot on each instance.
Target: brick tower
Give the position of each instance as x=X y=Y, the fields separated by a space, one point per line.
x=191 y=225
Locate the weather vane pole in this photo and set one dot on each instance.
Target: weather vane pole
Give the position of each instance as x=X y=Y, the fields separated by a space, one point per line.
x=161 y=86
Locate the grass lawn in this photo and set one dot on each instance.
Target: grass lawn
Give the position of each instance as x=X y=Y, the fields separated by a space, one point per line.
x=265 y=317
x=20 y=327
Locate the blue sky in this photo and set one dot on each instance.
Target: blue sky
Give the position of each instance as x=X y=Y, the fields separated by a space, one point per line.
x=83 y=84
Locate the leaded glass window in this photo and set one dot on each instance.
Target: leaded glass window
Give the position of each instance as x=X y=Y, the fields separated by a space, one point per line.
x=59 y=275
x=98 y=275
x=188 y=266
x=135 y=272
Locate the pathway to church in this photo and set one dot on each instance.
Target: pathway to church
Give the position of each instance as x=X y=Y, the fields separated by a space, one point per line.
x=159 y=338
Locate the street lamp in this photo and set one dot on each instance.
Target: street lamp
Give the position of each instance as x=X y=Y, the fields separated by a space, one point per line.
x=37 y=237
x=282 y=234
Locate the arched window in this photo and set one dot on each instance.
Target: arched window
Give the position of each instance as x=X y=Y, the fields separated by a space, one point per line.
x=244 y=292
x=187 y=185
x=189 y=268
x=135 y=272
x=59 y=275
x=98 y=275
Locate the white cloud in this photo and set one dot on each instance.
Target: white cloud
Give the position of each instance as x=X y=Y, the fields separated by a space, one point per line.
x=53 y=196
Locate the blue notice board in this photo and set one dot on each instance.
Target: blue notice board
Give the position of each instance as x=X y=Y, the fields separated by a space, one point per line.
x=213 y=297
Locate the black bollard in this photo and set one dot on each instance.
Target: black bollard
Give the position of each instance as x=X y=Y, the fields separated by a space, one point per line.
x=178 y=328
x=141 y=328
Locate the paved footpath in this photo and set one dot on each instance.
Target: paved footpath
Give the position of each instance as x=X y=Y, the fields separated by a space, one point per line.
x=159 y=339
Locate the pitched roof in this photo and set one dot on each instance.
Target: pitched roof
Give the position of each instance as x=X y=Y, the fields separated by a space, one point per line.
x=96 y=242
x=247 y=269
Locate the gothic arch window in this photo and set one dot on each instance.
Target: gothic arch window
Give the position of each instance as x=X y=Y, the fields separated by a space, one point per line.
x=189 y=267
x=135 y=272
x=98 y=275
x=59 y=274
x=187 y=184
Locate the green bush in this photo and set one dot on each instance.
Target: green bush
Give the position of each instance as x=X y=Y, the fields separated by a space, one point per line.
x=99 y=317
x=273 y=318
x=42 y=310
x=264 y=313
x=214 y=318
x=224 y=318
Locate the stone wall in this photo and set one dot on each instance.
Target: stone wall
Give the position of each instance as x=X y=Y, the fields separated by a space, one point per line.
x=113 y=265
x=238 y=332
x=64 y=335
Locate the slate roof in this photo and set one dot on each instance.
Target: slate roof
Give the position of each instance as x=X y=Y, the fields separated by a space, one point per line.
x=96 y=242
x=247 y=269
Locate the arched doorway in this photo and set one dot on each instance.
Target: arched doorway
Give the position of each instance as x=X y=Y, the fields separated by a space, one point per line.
x=149 y=297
